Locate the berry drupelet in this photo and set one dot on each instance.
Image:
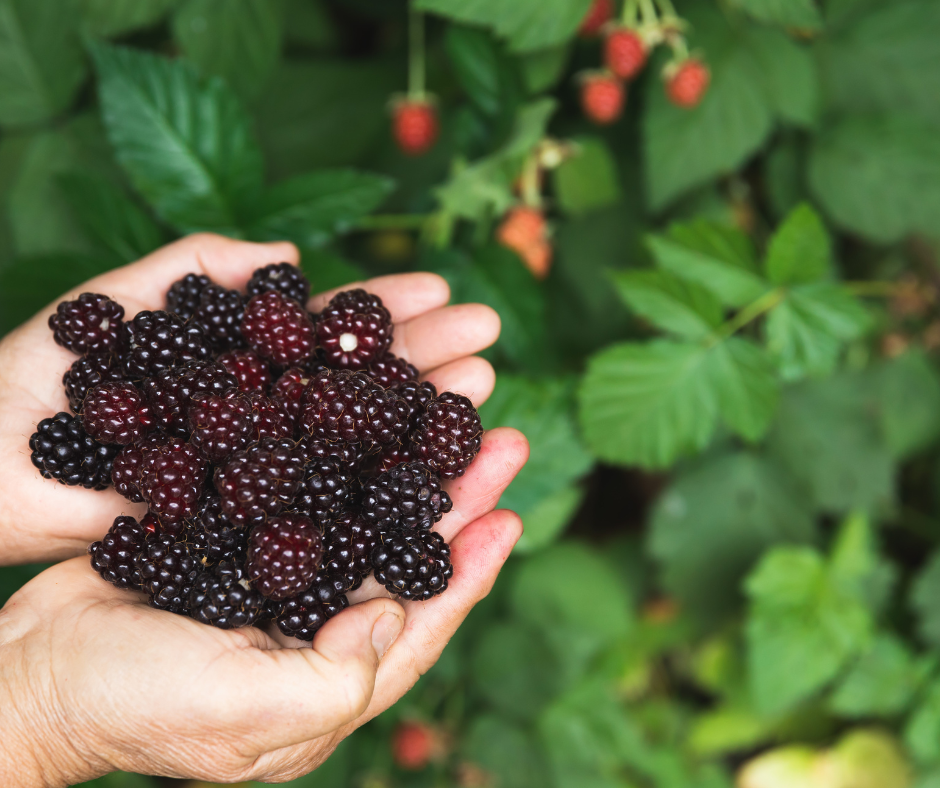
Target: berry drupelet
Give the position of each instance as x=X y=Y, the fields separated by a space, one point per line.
x=113 y=556
x=414 y=565
x=408 y=496
x=448 y=435
x=62 y=450
x=284 y=554
x=89 y=325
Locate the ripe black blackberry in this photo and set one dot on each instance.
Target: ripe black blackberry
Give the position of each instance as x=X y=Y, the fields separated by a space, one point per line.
x=170 y=478
x=414 y=565
x=389 y=370
x=349 y=454
x=169 y=392
x=62 y=450
x=287 y=279
x=289 y=389
x=279 y=329
x=184 y=295
x=219 y=317
x=418 y=395
x=350 y=540
x=113 y=556
x=222 y=597
x=89 y=325
x=86 y=373
x=260 y=481
x=354 y=330
x=212 y=538
x=327 y=489
x=302 y=615
x=407 y=496
x=251 y=372
x=116 y=413
x=221 y=424
x=284 y=555
x=448 y=435
x=348 y=406
x=167 y=571
x=157 y=341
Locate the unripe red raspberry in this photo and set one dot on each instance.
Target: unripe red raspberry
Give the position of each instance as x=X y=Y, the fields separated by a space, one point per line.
x=602 y=98
x=525 y=231
x=687 y=82
x=415 y=126
x=413 y=745
x=624 y=52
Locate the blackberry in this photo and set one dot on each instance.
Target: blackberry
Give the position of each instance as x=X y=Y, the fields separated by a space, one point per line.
x=184 y=295
x=249 y=369
x=285 y=278
x=348 y=406
x=62 y=450
x=354 y=330
x=418 y=395
x=349 y=454
x=219 y=316
x=223 y=598
x=279 y=329
x=221 y=424
x=284 y=554
x=167 y=571
x=170 y=479
x=260 y=480
x=389 y=370
x=448 y=435
x=408 y=496
x=125 y=471
x=302 y=615
x=212 y=538
x=169 y=393
x=157 y=341
x=116 y=413
x=327 y=489
x=113 y=556
x=88 y=372
x=289 y=389
x=414 y=565
x=350 y=540
x=89 y=325
x=269 y=418
x=390 y=456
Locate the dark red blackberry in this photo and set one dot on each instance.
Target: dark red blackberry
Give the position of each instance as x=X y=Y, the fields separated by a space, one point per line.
x=390 y=456
x=350 y=540
x=302 y=615
x=221 y=424
x=184 y=295
x=167 y=571
x=157 y=341
x=212 y=538
x=327 y=489
x=170 y=479
x=448 y=435
x=116 y=413
x=418 y=395
x=125 y=472
x=62 y=450
x=269 y=418
x=219 y=316
x=285 y=278
x=86 y=373
x=170 y=391
x=251 y=372
x=413 y=565
x=354 y=330
x=284 y=554
x=348 y=406
x=389 y=370
x=260 y=480
x=223 y=598
x=279 y=329
x=90 y=325
x=349 y=454
x=289 y=389
x=408 y=496
x=113 y=556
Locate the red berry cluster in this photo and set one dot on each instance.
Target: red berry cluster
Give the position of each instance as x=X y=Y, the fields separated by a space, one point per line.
x=283 y=456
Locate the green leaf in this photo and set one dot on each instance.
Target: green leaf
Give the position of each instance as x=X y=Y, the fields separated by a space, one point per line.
x=327 y=270
x=309 y=23
x=311 y=208
x=807 y=331
x=110 y=18
x=746 y=386
x=648 y=404
x=728 y=729
x=802 y=14
x=922 y=732
x=675 y=305
x=238 y=40
x=527 y=24
x=791 y=77
x=111 y=218
x=542 y=70
x=186 y=144
x=923 y=600
x=587 y=181
x=506 y=751
x=800 y=249
x=909 y=390
x=41 y=61
x=879 y=176
x=490 y=79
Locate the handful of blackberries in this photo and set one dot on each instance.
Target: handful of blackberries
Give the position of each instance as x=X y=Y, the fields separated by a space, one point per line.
x=283 y=455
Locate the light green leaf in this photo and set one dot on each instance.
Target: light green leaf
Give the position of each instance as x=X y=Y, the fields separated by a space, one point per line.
x=922 y=732
x=108 y=18
x=728 y=729
x=791 y=77
x=41 y=61
x=747 y=388
x=186 y=144
x=238 y=40
x=311 y=208
x=648 y=404
x=925 y=591
x=800 y=249
x=808 y=330
x=802 y=14
x=546 y=521
x=715 y=520
x=587 y=181
x=675 y=305
x=879 y=176
x=527 y=24
x=909 y=391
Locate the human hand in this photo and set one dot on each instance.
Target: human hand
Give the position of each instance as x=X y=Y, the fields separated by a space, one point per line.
x=43 y=521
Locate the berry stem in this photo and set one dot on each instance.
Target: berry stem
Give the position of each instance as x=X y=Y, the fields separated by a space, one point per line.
x=415 y=55
x=630 y=15
x=667 y=9
x=529 y=182
x=648 y=12
x=747 y=315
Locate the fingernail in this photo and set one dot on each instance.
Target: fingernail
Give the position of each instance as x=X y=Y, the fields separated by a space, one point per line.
x=385 y=632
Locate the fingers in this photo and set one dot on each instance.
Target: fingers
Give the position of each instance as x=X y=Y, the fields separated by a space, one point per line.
x=439 y=337
x=471 y=376
x=406 y=296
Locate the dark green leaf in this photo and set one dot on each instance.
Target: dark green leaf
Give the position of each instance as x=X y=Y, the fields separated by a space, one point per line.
x=309 y=23
x=791 y=77
x=506 y=751
x=675 y=305
x=588 y=180
x=544 y=68
x=922 y=732
x=799 y=250
x=327 y=270
x=909 y=391
x=109 y=18
x=480 y=67
x=924 y=594
x=803 y=14
x=746 y=387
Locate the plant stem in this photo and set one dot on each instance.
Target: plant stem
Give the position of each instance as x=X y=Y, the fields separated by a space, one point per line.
x=415 y=55
x=629 y=17
x=872 y=289
x=648 y=12
x=529 y=182
x=392 y=221
x=747 y=315
x=667 y=9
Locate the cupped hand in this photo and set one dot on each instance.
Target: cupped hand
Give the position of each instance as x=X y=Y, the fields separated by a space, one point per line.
x=41 y=520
